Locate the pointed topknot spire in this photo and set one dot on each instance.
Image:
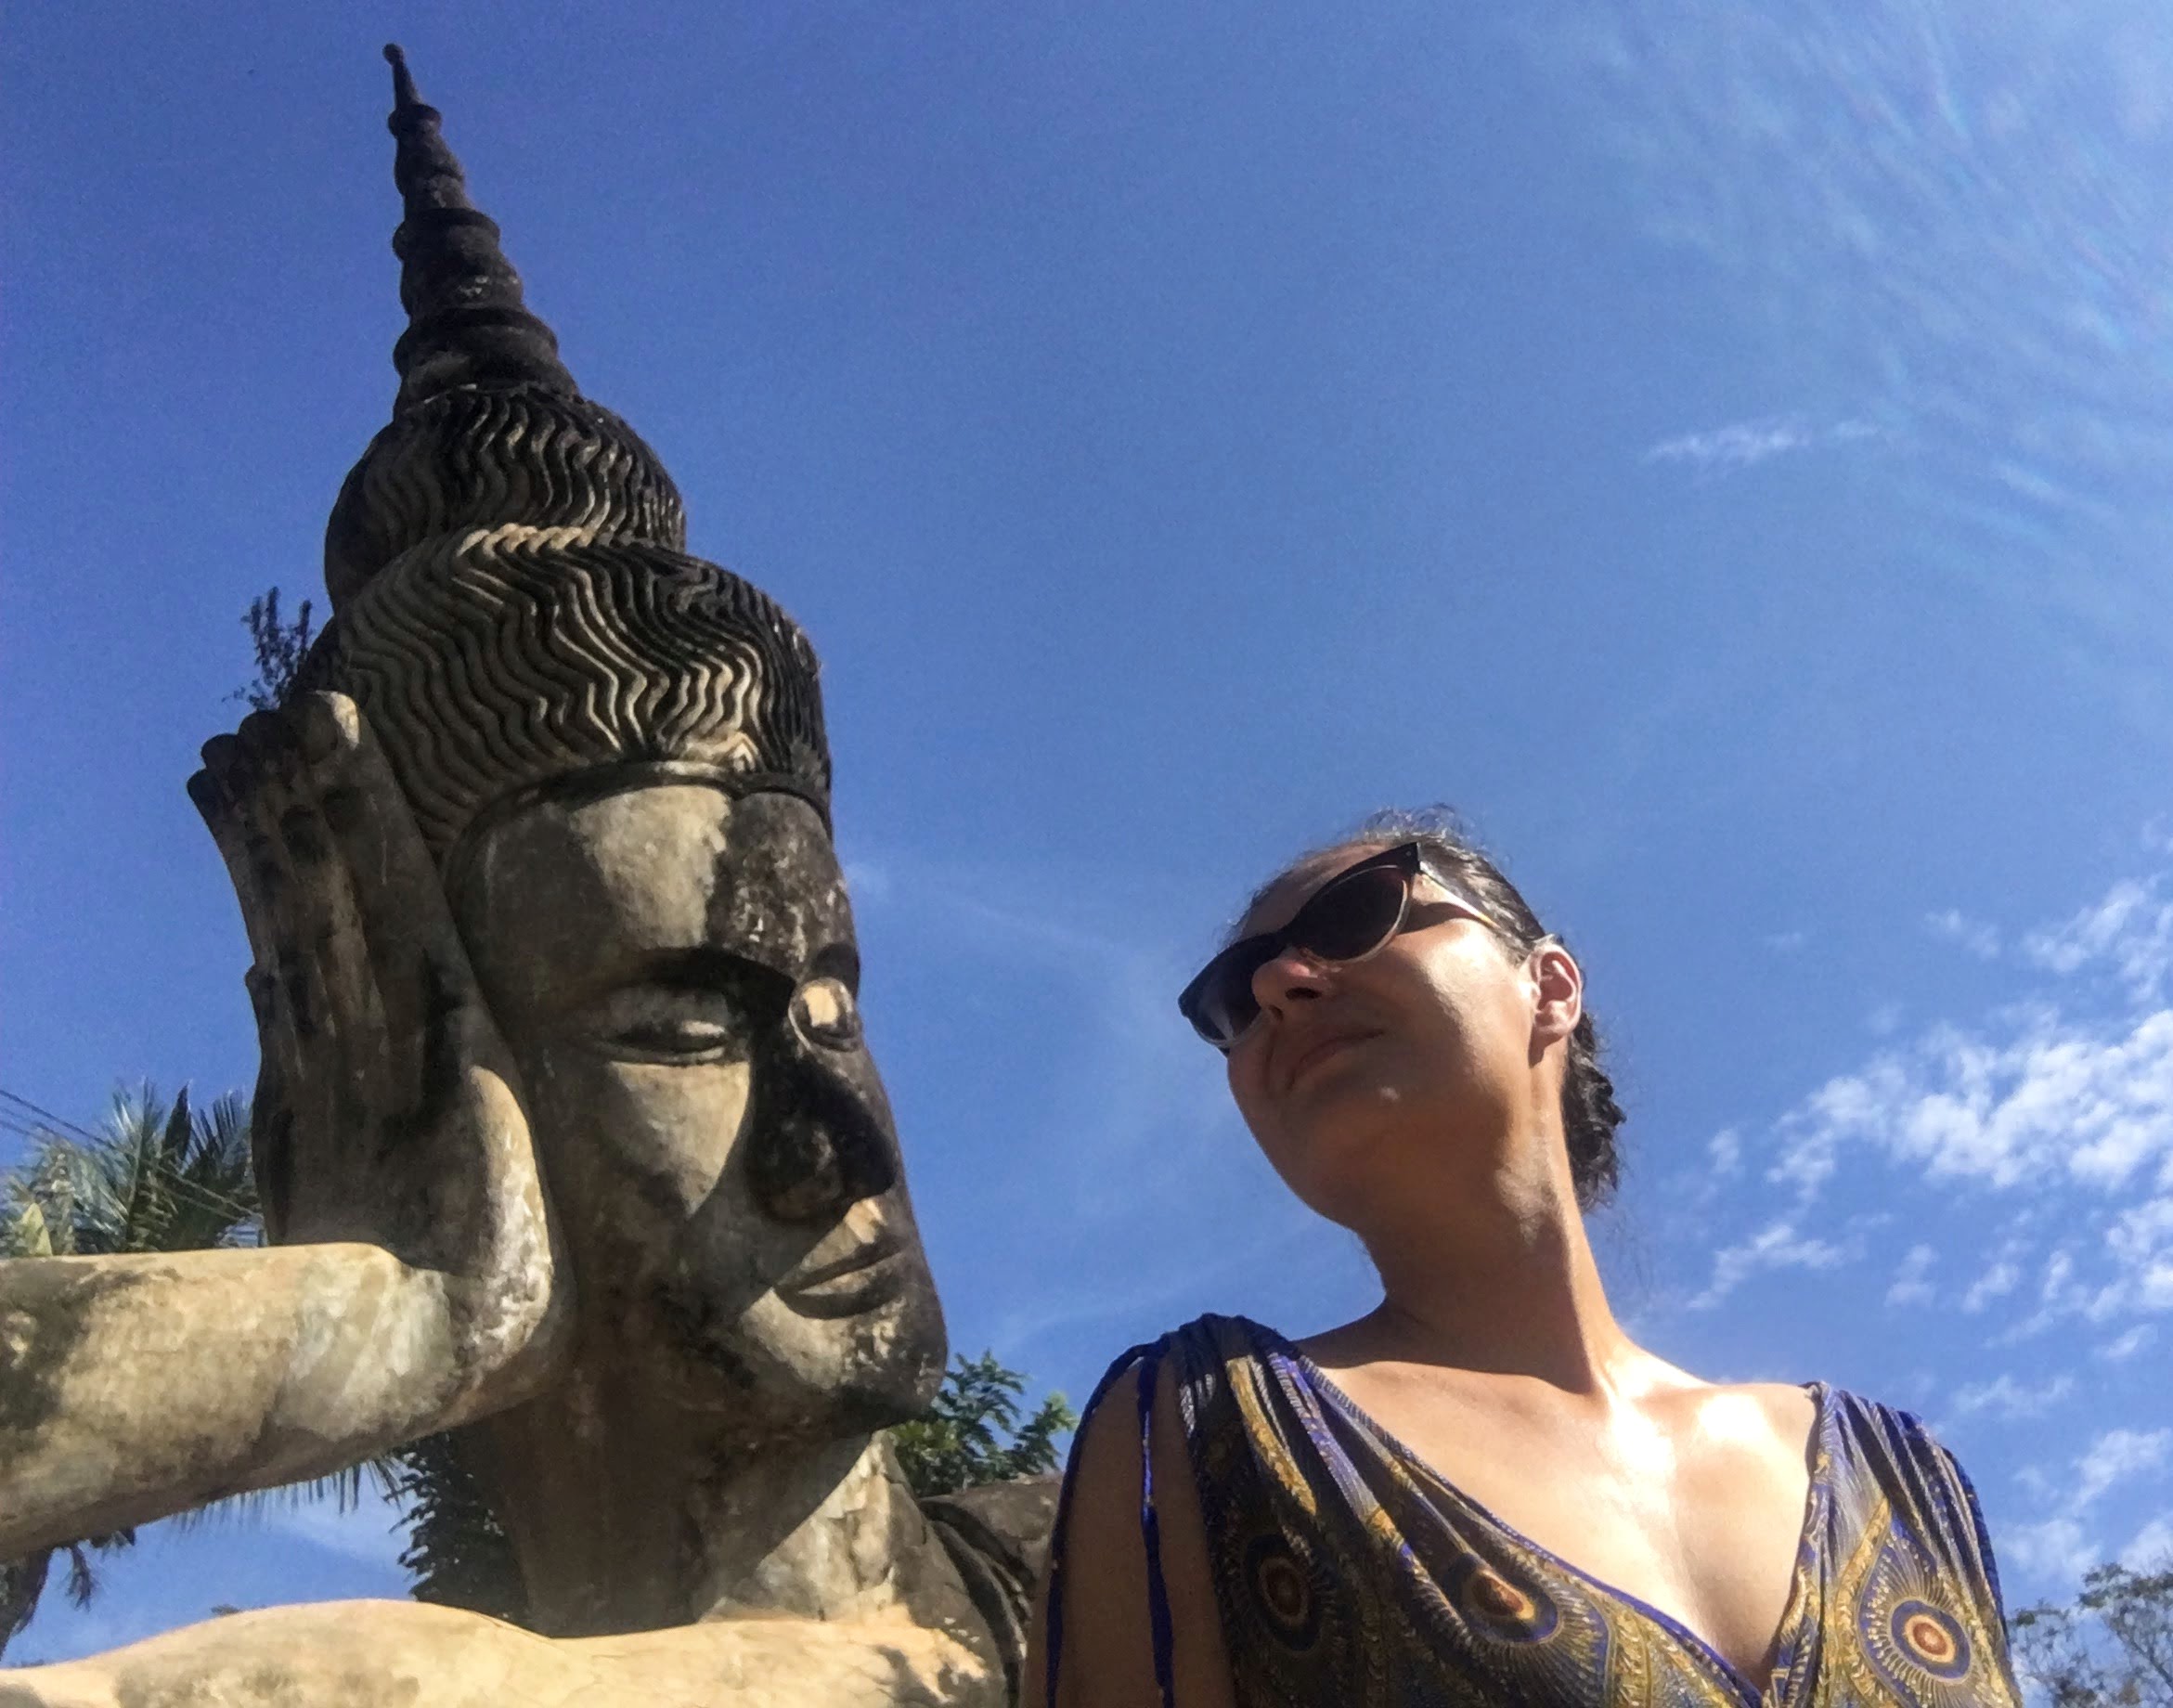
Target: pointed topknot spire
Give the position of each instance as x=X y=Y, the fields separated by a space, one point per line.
x=467 y=323
x=489 y=429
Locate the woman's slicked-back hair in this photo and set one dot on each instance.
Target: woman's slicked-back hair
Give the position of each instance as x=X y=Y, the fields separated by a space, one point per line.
x=1590 y=1114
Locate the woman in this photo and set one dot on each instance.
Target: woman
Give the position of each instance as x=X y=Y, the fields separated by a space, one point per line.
x=1483 y=1491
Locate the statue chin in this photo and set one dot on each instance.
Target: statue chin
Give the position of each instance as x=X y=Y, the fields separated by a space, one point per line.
x=778 y=1368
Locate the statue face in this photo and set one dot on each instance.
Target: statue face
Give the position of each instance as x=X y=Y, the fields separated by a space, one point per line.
x=676 y=974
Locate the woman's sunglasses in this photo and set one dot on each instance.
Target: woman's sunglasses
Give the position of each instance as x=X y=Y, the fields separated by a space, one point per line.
x=1346 y=919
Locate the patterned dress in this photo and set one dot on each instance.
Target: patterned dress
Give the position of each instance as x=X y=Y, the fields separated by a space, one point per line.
x=1350 y=1575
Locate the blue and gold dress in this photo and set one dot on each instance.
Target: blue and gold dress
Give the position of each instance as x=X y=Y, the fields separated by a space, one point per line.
x=1350 y=1575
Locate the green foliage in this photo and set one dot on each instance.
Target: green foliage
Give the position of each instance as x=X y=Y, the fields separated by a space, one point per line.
x=458 y=1553
x=279 y=647
x=2114 y=1646
x=973 y=1433
x=158 y=1177
x=161 y=1177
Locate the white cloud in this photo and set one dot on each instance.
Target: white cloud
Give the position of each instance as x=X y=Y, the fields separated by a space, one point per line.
x=1973 y=935
x=2128 y=931
x=1996 y=1282
x=2005 y=1397
x=2114 y=1456
x=2124 y=1347
x=2059 y=1546
x=2052 y=1101
x=2030 y=1105
x=1742 y=443
x=2152 y=1546
x=1776 y=1246
x=2055 y=1547
x=1911 y=1284
x=2069 y=1115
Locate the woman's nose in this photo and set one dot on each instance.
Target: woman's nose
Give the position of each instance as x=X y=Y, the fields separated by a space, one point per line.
x=1288 y=978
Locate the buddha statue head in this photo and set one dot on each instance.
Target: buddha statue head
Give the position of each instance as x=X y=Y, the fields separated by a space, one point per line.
x=615 y=753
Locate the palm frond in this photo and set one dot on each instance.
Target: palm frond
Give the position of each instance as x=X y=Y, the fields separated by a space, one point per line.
x=21 y=1583
x=157 y=1177
x=343 y=1487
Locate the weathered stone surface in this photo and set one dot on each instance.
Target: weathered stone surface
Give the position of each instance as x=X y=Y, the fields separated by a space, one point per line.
x=566 y=1125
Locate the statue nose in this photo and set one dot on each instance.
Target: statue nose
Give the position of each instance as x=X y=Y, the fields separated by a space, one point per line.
x=822 y=1132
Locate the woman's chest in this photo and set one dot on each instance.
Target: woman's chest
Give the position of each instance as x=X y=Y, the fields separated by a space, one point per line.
x=1703 y=1525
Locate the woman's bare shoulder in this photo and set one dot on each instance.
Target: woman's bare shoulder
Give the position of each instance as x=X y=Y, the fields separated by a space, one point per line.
x=1107 y=1642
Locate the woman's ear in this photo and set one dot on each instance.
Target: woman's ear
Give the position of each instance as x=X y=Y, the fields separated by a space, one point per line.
x=1558 y=994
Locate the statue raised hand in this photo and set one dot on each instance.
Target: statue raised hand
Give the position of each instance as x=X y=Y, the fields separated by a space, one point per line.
x=416 y=1285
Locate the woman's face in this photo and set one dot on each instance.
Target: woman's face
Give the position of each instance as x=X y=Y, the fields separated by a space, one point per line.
x=1429 y=1064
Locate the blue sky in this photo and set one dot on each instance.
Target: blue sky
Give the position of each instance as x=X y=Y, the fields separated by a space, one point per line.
x=1729 y=455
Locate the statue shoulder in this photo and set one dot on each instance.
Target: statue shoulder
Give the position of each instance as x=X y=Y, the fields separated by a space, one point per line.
x=997 y=1535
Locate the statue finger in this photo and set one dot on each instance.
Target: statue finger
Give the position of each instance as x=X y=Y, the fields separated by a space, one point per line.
x=416 y=954
x=329 y=924
x=213 y=791
x=277 y=830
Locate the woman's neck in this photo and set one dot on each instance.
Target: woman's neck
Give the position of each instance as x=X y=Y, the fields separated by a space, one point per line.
x=1503 y=1283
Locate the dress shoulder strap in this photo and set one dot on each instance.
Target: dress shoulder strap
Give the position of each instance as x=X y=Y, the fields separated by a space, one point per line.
x=1146 y=1359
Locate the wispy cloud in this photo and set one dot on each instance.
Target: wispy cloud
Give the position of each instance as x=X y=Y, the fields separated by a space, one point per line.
x=2053 y=1099
x=2000 y=1278
x=2128 y=932
x=2040 y=1132
x=2005 y=1397
x=2055 y=1547
x=2114 y=1456
x=1911 y=1284
x=2064 y=1545
x=1776 y=1246
x=2152 y=1547
x=2123 y=1347
x=1742 y=445
x=1973 y=935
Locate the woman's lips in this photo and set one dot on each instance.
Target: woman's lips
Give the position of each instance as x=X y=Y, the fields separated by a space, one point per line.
x=1311 y=1052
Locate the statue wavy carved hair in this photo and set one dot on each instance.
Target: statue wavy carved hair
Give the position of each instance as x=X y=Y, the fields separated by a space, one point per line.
x=513 y=603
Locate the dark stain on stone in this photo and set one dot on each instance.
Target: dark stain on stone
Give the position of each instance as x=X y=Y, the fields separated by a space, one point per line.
x=54 y=1298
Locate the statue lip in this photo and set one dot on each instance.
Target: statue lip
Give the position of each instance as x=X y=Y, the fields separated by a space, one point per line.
x=810 y=1278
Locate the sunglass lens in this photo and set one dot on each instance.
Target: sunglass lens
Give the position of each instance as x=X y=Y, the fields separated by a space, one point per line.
x=1351 y=917
x=1222 y=1004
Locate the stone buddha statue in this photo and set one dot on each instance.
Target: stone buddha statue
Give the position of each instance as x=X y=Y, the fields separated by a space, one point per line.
x=566 y=1128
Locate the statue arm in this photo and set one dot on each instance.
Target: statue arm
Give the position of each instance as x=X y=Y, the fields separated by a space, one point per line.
x=136 y=1387
x=419 y=1656
x=418 y=1282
